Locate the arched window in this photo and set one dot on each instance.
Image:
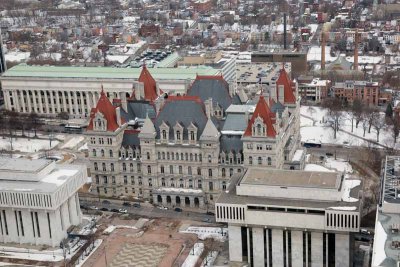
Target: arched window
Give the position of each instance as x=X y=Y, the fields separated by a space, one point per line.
x=191 y=157
x=162 y=169
x=178 y=135
x=103 y=165
x=124 y=167
x=177 y=156
x=164 y=134
x=250 y=160
x=148 y=155
x=167 y=155
x=159 y=155
x=209 y=172
x=172 y=182
x=171 y=169
x=111 y=153
x=162 y=181
x=209 y=158
x=223 y=172
x=148 y=169
x=180 y=169
x=259 y=131
x=131 y=167
x=163 y=155
x=259 y=160
x=102 y=152
x=94 y=152
x=112 y=166
x=95 y=166
x=269 y=161
x=230 y=172
x=223 y=185
x=190 y=170
x=192 y=135
x=195 y=157
x=198 y=171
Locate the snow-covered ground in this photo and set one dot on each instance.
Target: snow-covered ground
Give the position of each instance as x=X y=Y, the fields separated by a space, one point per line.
x=316 y=168
x=314 y=126
x=26 y=144
x=218 y=233
x=194 y=255
x=339 y=165
x=210 y=258
x=111 y=228
x=348 y=185
x=73 y=142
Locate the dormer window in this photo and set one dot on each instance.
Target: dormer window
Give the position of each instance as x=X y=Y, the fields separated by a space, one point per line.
x=164 y=129
x=192 y=129
x=192 y=136
x=178 y=130
x=100 y=124
x=259 y=127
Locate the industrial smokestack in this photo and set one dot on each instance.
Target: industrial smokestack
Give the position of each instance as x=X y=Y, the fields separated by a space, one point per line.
x=323 y=50
x=284 y=32
x=356 y=40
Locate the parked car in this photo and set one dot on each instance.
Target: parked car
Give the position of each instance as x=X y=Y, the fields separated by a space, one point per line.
x=329 y=154
x=126 y=204
x=136 y=205
x=210 y=213
x=104 y=209
x=178 y=210
x=93 y=208
x=162 y=208
x=106 y=202
x=122 y=211
x=84 y=207
x=114 y=210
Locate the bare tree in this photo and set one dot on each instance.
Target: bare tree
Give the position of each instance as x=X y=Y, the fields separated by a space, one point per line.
x=395 y=128
x=357 y=111
x=378 y=123
x=365 y=123
x=334 y=105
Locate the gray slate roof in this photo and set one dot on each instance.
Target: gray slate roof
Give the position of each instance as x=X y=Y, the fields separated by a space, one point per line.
x=139 y=109
x=210 y=88
x=131 y=139
x=235 y=122
x=183 y=111
x=231 y=143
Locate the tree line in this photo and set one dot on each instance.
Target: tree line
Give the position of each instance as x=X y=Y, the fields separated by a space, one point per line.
x=362 y=115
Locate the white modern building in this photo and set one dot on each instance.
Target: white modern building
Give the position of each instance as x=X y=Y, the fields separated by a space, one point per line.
x=38 y=200
x=290 y=217
x=386 y=248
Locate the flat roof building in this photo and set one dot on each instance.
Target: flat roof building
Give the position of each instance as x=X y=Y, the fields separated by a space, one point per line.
x=290 y=217
x=386 y=248
x=38 y=200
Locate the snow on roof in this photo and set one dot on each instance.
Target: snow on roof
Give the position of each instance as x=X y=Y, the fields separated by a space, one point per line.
x=184 y=190
x=379 y=254
x=316 y=168
x=314 y=54
x=298 y=155
x=343 y=208
x=347 y=186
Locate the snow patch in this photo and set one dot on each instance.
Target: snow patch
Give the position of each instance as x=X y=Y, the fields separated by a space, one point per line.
x=194 y=255
x=343 y=208
x=316 y=168
x=379 y=245
x=347 y=186
x=217 y=233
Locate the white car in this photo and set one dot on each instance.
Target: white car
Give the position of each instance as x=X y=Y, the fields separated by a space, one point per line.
x=162 y=208
x=93 y=208
x=122 y=211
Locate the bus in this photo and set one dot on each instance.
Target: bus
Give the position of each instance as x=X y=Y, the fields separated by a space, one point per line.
x=312 y=143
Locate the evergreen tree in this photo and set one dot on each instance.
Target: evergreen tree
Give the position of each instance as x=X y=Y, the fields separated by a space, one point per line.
x=389 y=111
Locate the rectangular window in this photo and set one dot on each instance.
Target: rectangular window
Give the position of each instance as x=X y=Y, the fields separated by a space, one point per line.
x=309 y=247
x=1 y=226
x=22 y=223
x=49 y=224
x=16 y=222
x=270 y=246
x=33 y=225
x=37 y=224
x=244 y=243
x=284 y=248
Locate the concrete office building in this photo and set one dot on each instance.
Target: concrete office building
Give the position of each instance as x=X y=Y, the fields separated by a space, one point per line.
x=290 y=217
x=38 y=201
x=386 y=248
x=49 y=90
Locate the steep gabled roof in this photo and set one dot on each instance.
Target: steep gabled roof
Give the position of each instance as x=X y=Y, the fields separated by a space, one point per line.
x=284 y=80
x=214 y=87
x=150 y=88
x=262 y=110
x=105 y=107
x=185 y=110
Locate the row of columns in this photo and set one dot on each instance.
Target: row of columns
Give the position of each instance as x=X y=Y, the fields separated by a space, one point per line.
x=16 y=100
x=164 y=200
x=274 y=244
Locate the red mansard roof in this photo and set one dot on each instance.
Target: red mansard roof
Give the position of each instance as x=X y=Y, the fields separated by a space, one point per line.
x=287 y=85
x=105 y=107
x=262 y=110
x=150 y=88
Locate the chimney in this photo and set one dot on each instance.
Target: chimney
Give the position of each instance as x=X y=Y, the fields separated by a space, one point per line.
x=118 y=113
x=284 y=32
x=322 y=50
x=209 y=107
x=356 y=37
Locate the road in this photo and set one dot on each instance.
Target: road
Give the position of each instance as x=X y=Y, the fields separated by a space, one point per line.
x=152 y=212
